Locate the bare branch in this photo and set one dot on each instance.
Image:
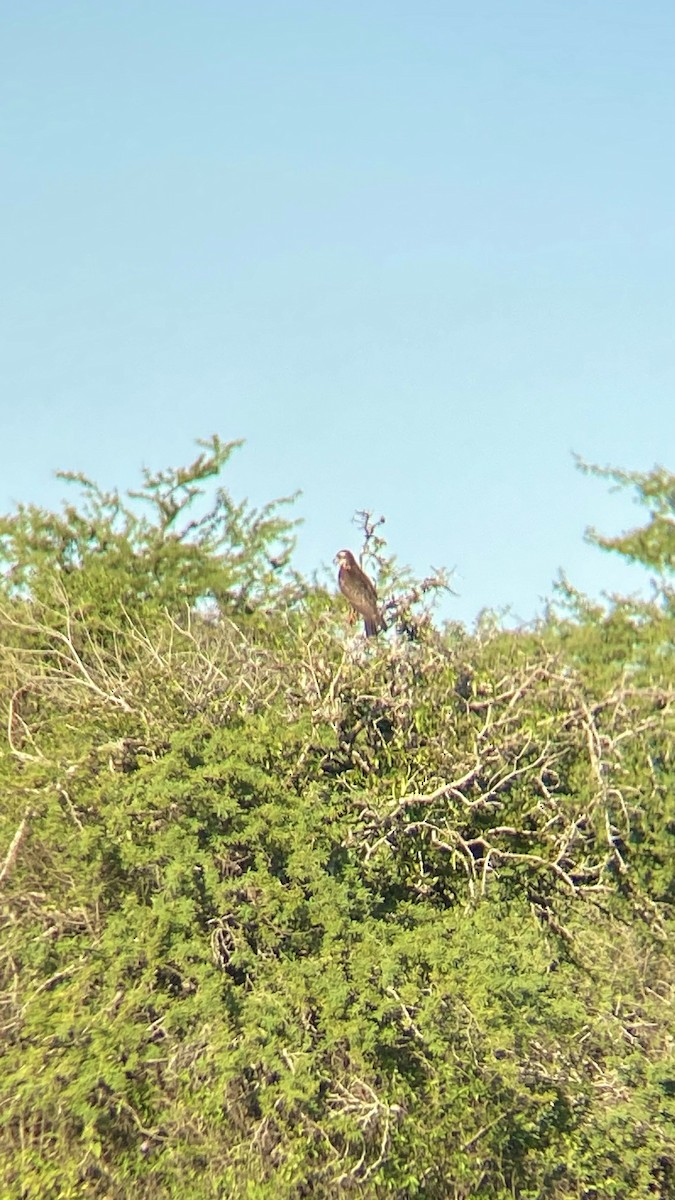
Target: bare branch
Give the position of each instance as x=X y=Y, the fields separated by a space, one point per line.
x=15 y=846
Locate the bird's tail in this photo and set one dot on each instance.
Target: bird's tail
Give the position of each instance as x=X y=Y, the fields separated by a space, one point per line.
x=373 y=625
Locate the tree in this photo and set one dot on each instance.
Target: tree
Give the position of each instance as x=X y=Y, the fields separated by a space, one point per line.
x=653 y=544
x=284 y=916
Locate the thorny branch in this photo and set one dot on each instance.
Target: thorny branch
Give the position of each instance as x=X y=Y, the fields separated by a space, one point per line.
x=373 y=1116
x=525 y=734
x=15 y=846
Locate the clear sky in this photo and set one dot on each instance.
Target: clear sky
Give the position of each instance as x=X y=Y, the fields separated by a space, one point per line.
x=414 y=253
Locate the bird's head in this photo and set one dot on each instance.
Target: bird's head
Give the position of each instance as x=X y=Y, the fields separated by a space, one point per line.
x=345 y=558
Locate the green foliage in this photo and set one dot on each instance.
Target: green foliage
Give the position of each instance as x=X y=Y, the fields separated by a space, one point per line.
x=285 y=914
x=653 y=544
x=109 y=554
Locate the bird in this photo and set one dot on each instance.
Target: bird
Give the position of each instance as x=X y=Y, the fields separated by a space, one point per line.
x=359 y=591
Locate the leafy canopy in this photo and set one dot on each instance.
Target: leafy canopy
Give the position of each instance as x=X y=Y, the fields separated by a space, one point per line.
x=288 y=915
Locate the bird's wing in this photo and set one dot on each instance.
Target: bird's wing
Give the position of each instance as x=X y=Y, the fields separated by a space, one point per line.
x=359 y=590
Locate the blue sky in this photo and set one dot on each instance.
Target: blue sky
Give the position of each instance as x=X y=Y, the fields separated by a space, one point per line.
x=414 y=254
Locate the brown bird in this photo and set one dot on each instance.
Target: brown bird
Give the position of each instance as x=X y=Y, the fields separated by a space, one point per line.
x=359 y=591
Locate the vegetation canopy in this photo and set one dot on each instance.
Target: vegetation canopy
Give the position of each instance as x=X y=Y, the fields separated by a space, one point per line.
x=285 y=913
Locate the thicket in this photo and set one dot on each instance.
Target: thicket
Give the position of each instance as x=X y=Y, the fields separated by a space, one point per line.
x=287 y=914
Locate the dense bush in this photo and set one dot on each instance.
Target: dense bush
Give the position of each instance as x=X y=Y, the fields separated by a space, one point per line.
x=287 y=914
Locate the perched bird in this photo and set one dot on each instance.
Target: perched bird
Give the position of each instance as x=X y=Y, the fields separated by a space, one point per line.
x=359 y=591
